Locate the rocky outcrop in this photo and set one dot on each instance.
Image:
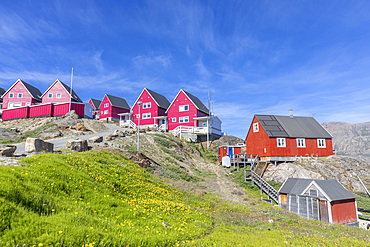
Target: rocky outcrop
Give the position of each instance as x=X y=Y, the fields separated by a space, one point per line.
x=38 y=145
x=80 y=127
x=342 y=168
x=49 y=135
x=6 y=134
x=7 y=150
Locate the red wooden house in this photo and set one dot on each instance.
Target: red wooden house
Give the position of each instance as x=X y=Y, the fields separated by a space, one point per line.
x=111 y=106
x=95 y=105
x=152 y=111
x=21 y=94
x=277 y=137
x=60 y=99
x=324 y=200
x=184 y=110
x=18 y=98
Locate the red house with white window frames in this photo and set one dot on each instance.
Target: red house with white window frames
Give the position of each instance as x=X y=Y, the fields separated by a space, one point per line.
x=111 y=106
x=153 y=109
x=21 y=94
x=272 y=136
x=59 y=92
x=184 y=109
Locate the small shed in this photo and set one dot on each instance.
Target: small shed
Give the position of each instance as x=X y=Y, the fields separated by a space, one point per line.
x=228 y=150
x=324 y=200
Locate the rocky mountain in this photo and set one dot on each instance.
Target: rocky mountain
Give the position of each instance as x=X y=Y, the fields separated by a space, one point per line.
x=350 y=139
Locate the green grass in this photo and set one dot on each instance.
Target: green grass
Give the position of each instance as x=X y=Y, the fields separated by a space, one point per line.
x=95 y=198
x=100 y=198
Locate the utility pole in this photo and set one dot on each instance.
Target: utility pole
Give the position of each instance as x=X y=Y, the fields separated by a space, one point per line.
x=138 y=127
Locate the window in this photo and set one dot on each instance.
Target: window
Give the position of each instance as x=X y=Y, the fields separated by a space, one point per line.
x=28 y=104
x=173 y=120
x=59 y=95
x=137 y=116
x=147 y=105
x=106 y=104
x=11 y=95
x=101 y=112
x=321 y=143
x=184 y=108
x=106 y=112
x=50 y=95
x=313 y=192
x=255 y=127
x=301 y=143
x=10 y=105
x=183 y=119
x=20 y=95
x=281 y=142
x=146 y=115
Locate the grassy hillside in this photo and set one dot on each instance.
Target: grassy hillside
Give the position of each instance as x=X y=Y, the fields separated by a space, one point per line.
x=100 y=198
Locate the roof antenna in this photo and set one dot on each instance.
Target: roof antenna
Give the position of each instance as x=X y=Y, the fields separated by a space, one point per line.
x=209 y=103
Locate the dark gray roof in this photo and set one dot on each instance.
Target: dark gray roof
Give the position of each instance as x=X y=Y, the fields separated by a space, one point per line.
x=332 y=188
x=96 y=103
x=74 y=95
x=117 y=101
x=160 y=99
x=296 y=127
x=35 y=93
x=2 y=91
x=197 y=102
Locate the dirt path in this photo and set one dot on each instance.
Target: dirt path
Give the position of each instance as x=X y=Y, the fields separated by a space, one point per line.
x=224 y=186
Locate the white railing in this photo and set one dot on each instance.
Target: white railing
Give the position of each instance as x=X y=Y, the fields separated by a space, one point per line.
x=162 y=127
x=188 y=129
x=127 y=123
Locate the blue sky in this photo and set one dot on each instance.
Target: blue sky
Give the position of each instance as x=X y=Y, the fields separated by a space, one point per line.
x=255 y=57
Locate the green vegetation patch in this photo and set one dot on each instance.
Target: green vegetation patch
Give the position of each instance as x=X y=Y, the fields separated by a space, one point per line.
x=95 y=198
x=33 y=134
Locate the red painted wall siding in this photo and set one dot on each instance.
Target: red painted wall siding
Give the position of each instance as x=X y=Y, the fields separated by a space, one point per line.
x=21 y=112
x=62 y=109
x=344 y=211
x=112 y=111
x=256 y=142
x=173 y=111
x=153 y=110
x=26 y=97
x=41 y=110
x=55 y=89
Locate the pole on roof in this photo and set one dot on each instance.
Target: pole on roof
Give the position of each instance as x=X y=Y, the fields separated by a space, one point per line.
x=70 y=100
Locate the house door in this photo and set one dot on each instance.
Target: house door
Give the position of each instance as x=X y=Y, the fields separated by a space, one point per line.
x=324 y=215
x=163 y=121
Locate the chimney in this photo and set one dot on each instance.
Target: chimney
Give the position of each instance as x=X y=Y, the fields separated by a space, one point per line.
x=291 y=114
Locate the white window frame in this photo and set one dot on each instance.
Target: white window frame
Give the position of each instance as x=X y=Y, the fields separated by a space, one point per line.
x=147 y=105
x=101 y=112
x=11 y=95
x=255 y=128
x=321 y=143
x=50 y=95
x=173 y=120
x=59 y=95
x=137 y=116
x=106 y=112
x=184 y=119
x=183 y=108
x=281 y=142
x=106 y=105
x=301 y=143
x=20 y=94
x=147 y=115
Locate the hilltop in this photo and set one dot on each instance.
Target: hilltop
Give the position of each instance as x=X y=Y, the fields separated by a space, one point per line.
x=172 y=193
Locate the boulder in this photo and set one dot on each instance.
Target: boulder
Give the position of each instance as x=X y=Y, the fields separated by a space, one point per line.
x=38 y=145
x=110 y=137
x=130 y=132
x=79 y=145
x=80 y=127
x=119 y=133
x=16 y=130
x=68 y=143
x=95 y=139
x=7 y=150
